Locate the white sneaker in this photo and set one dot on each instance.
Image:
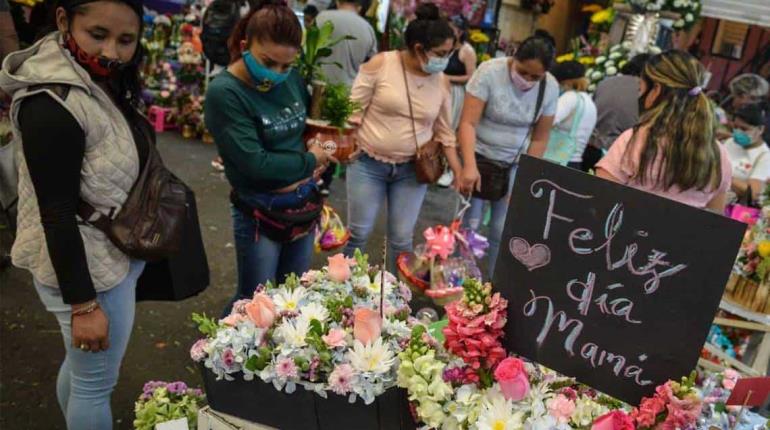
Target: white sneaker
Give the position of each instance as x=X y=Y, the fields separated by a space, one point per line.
x=446 y=179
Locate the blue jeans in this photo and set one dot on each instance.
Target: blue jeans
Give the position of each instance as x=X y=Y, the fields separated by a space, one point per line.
x=260 y=259
x=86 y=379
x=496 y=225
x=370 y=183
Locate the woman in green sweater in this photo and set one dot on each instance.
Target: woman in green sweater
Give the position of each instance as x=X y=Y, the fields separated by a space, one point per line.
x=256 y=111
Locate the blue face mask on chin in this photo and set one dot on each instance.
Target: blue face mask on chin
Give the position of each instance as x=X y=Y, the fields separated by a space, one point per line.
x=264 y=79
x=741 y=138
x=435 y=65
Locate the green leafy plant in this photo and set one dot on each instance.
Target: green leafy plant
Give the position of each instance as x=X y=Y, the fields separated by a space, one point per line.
x=207 y=326
x=167 y=401
x=337 y=106
x=318 y=46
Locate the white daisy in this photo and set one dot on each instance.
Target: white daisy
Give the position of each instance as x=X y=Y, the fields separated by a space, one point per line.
x=291 y=301
x=374 y=357
x=293 y=332
x=497 y=414
x=314 y=311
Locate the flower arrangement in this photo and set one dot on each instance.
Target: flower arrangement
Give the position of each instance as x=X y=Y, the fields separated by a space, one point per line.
x=609 y=65
x=440 y=267
x=323 y=331
x=167 y=401
x=688 y=10
x=480 y=42
x=641 y=6
x=331 y=233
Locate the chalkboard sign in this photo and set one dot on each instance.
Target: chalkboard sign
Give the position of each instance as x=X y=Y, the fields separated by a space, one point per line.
x=608 y=284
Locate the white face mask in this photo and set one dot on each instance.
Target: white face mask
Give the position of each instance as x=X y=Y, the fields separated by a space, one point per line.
x=519 y=81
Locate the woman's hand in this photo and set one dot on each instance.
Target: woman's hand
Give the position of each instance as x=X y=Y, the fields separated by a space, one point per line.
x=90 y=332
x=470 y=179
x=321 y=156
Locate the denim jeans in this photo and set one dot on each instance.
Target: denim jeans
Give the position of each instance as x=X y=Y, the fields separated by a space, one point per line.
x=370 y=183
x=496 y=224
x=260 y=259
x=86 y=379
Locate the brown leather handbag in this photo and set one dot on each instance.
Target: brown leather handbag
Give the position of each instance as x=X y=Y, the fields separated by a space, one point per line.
x=429 y=163
x=151 y=222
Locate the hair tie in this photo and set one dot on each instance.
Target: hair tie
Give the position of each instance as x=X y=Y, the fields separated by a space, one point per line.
x=695 y=91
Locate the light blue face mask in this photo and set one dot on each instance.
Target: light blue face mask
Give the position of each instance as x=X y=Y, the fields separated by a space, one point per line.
x=435 y=65
x=741 y=138
x=264 y=78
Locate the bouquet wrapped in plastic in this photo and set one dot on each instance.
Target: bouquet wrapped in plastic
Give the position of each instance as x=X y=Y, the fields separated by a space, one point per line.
x=439 y=267
x=331 y=233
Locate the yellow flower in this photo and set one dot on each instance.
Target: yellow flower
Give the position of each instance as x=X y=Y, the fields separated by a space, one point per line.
x=764 y=248
x=565 y=57
x=603 y=16
x=484 y=57
x=477 y=36
x=587 y=61
x=593 y=8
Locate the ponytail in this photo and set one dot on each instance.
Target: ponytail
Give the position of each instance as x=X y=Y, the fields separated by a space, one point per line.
x=428 y=29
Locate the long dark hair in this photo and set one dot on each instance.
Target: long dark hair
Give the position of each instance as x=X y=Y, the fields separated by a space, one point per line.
x=268 y=20
x=684 y=118
x=539 y=47
x=429 y=29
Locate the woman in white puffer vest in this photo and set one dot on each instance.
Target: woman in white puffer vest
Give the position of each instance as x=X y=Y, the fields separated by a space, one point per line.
x=80 y=137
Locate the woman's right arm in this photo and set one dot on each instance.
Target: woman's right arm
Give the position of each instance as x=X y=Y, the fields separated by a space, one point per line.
x=473 y=108
x=54 y=145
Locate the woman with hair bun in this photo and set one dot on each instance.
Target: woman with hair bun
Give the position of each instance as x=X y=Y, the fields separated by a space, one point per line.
x=391 y=129
x=256 y=111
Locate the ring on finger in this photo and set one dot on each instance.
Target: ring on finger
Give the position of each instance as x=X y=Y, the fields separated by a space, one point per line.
x=84 y=346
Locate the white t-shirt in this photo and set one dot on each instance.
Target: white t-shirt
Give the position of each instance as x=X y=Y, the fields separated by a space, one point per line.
x=565 y=113
x=752 y=163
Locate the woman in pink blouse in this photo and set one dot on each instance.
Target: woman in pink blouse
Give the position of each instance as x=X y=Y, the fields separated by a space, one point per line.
x=673 y=151
x=388 y=135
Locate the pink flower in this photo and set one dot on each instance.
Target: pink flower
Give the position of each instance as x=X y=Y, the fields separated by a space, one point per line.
x=198 y=352
x=228 y=357
x=341 y=379
x=233 y=319
x=729 y=379
x=367 y=325
x=335 y=338
x=286 y=368
x=561 y=408
x=513 y=379
x=261 y=310
x=615 y=420
x=165 y=94
x=339 y=268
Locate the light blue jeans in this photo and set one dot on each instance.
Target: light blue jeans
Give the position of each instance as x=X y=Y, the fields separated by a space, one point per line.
x=262 y=260
x=370 y=183
x=496 y=224
x=86 y=379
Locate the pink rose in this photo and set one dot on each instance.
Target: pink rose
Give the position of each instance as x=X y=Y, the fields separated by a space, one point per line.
x=261 y=310
x=367 y=325
x=615 y=420
x=561 y=408
x=729 y=379
x=233 y=319
x=339 y=268
x=335 y=338
x=513 y=379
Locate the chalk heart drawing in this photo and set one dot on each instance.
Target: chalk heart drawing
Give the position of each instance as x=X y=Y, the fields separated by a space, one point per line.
x=531 y=256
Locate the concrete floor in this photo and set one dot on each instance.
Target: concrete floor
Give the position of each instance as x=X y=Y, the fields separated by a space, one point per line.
x=31 y=345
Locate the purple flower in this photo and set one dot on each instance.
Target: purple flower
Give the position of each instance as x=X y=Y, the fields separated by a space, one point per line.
x=405 y=291
x=178 y=387
x=453 y=375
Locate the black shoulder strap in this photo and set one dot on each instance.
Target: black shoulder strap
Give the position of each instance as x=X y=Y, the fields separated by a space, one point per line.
x=540 y=95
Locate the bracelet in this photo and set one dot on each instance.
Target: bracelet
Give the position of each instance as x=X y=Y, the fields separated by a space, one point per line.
x=87 y=309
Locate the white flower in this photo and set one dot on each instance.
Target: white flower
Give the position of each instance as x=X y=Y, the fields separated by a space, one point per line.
x=600 y=59
x=592 y=88
x=466 y=405
x=294 y=332
x=286 y=300
x=396 y=328
x=612 y=71
x=314 y=311
x=497 y=414
x=627 y=45
x=545 y=422
x=677 y=3
x=586 y=411
x=615 y=55
x=374 y=357
x=595 y=76
x=689 y=17
x=654 y=50
x=609 y=64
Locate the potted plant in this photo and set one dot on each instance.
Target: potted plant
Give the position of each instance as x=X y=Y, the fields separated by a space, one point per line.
x=318 y=46
x=332 y=129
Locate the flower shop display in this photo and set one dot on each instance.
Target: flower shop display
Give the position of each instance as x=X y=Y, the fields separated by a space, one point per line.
x=749 y=284
x=332 y=129
x=688 y=10
x=609 y=65
x=336 y=332
x=439 y=267
x=468 y=382
x=167 y=401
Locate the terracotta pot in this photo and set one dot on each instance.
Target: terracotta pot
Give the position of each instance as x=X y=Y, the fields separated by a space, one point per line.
x=317 y=96
x=340 y=143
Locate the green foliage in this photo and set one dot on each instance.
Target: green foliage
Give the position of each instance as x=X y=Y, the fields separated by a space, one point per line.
x=207 y=326
x=164 y=407
x=318 y=46
x=337 y=106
